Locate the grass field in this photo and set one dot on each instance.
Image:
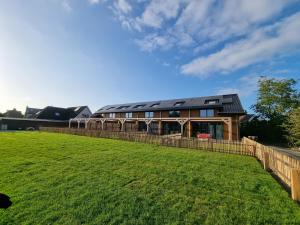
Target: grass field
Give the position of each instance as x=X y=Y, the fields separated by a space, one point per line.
x=63 y=179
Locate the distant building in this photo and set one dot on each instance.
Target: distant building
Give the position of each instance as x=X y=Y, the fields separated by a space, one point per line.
x=49 y=116
x=56 y=113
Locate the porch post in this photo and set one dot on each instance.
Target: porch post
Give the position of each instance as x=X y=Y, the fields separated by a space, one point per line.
x=70 y=123
x=189 y=129
x=78 y=124
x=230 y=130
x=159 y=127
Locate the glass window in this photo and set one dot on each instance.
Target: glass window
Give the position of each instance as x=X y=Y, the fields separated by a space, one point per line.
x=206 y=113
x=57 y=114
x=149 y=114
x=211 y=101
x=139 y=106
x=112 y=115
x=174 y=113
x=155 y=105
x=129 y=115
x=210 y=113
x=178 y=103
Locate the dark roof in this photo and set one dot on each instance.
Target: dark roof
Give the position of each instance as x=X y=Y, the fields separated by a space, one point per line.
x=31 y=112
x=228 y=104
x=56 y=113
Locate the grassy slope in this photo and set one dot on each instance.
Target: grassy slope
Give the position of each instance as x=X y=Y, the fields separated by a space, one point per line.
x=63 y=179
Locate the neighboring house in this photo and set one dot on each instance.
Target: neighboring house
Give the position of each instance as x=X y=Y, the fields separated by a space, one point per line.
x=49 y=116
x=218 y=116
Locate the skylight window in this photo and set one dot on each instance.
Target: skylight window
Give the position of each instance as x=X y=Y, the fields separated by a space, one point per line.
x=178 y=104
x=123 y=107
x=139 y=106
x=155 y=105
x=211 y=101
x=110 y=108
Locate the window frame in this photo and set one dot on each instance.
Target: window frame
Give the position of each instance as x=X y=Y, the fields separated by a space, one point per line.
x=149 y=114
x=127 y=115
x=206 y=113
x=112 y=115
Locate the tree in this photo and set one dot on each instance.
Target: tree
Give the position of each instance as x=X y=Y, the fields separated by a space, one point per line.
x=13 y=113
x=276 y=98
x=293 y=127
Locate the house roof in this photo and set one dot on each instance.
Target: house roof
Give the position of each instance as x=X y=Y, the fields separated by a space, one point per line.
x=228 y=104
x=31 y=112
x=57 y=113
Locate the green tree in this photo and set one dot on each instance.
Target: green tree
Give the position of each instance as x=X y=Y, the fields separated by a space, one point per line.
x=276 y=98
x=293 y=127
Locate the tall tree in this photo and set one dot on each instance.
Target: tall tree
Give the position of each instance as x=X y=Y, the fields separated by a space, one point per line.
x=276 y=98
x=293 y=127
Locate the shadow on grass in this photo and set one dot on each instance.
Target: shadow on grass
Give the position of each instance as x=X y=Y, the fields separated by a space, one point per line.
x=4 y=201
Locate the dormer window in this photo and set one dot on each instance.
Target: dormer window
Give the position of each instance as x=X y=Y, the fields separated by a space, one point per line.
x=155 y=105
x=179 y=103
x=123 y=107
x=139 y=106
x=211 y=101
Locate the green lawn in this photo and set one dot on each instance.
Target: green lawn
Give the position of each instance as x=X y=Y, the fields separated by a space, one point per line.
x=63 y=179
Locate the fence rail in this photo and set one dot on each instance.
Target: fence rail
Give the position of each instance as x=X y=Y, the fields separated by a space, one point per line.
x=280 y=163
x=233 y=147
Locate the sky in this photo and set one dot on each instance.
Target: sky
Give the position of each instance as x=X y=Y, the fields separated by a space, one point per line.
x=98 y=52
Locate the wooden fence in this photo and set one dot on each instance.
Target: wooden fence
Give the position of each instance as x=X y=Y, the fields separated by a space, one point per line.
x=285 y=166
x=223 y=146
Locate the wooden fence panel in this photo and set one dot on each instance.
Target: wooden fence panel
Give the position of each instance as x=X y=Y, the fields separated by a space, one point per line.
x=170 y=141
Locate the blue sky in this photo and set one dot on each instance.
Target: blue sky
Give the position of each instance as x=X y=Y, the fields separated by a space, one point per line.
x=97 y=52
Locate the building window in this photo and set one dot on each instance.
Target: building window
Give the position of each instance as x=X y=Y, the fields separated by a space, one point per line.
x=57 y=114
x=178 y=104
x=155 y=105
x=123 y=107
x=211 y=101
x=206 y=113
x=149 y=114
x=139 y=106
x=112 y=115
x=110 y=108
x=174 y=113
x=128 y=115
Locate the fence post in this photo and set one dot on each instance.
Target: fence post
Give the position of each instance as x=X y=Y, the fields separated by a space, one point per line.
x=295 y=184
x=266 y=161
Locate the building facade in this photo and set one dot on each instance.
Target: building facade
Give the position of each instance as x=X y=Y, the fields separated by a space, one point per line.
x=216 y=117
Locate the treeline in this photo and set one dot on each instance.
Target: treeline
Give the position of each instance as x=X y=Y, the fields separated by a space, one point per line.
x=278 y=108
x=12 y=113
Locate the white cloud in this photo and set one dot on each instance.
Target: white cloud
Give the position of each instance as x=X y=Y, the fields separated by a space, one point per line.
x=157 y=11
x=93 y=2
x=245 y=86
x=123 y=6
x=153 y=41
x=262 y=45
x=66 y=6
